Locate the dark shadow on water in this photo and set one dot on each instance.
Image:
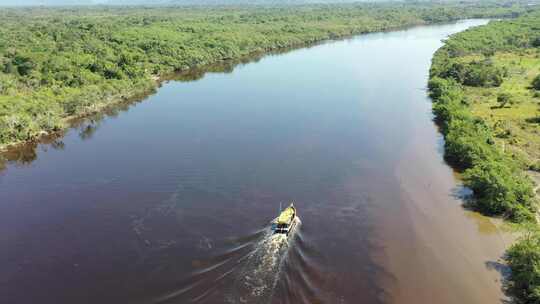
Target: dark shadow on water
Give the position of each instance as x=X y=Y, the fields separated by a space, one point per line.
x=86 y=127
x=503 y=269
x=463 y=193
x=483 y=223
x=484 y=226
x=26 y=154
x=505 y=272
x=228 y=66
x=469 y=203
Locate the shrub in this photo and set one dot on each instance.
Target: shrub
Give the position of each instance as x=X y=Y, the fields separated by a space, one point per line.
x=483 y=74
x=524 y=260
x=468 y=143
x=475 y=74
x=536 y=42
x=438 y=86
x=503 y=99
x=535 y=166
x=536 y=82
x=501 y=190
x=24 y=65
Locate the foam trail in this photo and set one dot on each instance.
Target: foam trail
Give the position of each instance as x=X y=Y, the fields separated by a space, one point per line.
x=258 y=279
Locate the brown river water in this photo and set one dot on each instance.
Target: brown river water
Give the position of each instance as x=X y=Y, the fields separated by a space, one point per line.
x=169 y=199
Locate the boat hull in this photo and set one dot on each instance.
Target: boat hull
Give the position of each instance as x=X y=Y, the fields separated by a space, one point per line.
x=276 y=229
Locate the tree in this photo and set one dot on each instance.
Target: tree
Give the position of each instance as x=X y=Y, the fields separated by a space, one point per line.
x=501 y=189
x=483 y=74
x=24 y=65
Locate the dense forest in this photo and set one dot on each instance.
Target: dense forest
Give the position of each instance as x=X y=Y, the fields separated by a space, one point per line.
x=57 y=63
x=485 y=86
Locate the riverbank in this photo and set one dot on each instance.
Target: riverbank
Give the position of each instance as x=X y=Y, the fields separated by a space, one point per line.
x=482 y=85
x=183 y=184
x=62 y=64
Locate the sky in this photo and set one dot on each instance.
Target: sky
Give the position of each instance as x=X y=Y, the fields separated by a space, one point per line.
x=146 y=2
x=48 y=2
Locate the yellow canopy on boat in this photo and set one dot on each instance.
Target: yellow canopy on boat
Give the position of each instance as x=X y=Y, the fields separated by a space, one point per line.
x=286 y=215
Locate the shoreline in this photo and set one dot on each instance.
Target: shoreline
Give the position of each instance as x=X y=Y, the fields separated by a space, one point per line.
x=158 y=80
x=500 y=172
x=154 y=170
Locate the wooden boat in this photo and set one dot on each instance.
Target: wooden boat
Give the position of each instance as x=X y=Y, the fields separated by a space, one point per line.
x=286 y=221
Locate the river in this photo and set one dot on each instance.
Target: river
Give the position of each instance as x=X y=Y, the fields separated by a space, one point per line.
x=168 y=200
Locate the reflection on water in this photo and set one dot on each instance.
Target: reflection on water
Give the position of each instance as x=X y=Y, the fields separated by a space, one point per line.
x=486 y=225
x=86 y=126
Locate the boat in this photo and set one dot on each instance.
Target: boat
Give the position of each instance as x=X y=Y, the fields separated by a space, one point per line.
x=286 y=221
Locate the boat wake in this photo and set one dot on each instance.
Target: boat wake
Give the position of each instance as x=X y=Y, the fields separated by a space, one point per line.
x=247 y=271
x=257 y=280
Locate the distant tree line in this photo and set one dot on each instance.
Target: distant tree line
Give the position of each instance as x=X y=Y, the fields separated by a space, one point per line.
x=57 y=63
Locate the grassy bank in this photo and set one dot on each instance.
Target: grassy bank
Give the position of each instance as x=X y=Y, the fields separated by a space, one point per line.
x=485 y=85
x=65 y=62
